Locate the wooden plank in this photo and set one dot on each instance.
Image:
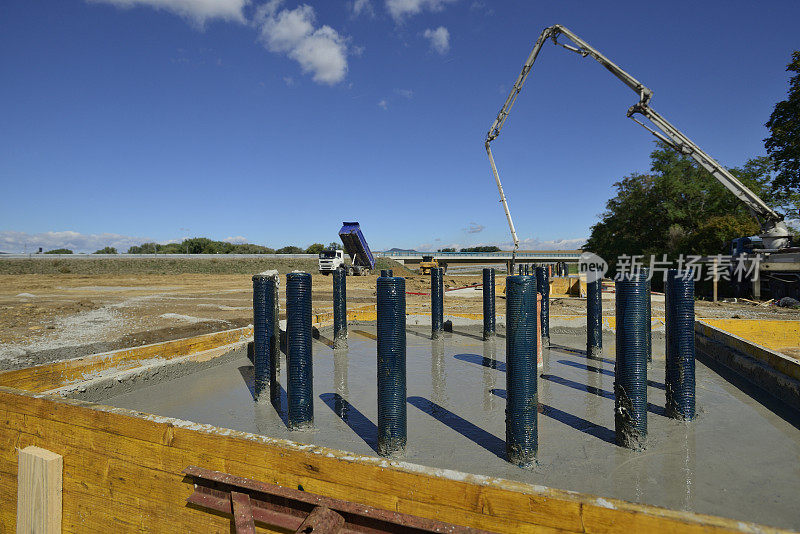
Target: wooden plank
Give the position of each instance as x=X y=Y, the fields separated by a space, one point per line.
x=773 y=334
x=39 y=491
x=129 y=465
x=53 y=375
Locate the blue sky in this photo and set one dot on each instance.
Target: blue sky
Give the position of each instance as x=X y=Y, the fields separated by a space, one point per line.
x=273 y=122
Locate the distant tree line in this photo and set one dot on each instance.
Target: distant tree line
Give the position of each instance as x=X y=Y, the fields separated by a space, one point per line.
x=202 y=245
x=472 y=249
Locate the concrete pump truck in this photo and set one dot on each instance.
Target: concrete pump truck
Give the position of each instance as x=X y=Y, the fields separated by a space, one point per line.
x=777 y=262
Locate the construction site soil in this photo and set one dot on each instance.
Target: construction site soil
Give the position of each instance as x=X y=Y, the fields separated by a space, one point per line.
x=102 y=305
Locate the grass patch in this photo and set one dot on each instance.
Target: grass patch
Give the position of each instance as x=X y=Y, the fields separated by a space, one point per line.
x=166 y=265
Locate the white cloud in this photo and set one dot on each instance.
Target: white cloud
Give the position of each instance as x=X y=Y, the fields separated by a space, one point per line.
x=288 y=80
x=360 y=7
x=439 y=38
x=320 y=51
x=405 y=93
x=197 y=11
x=399 y=9
x=474 y=228
x=237 y=240
x=383 y=105
x=11 y=241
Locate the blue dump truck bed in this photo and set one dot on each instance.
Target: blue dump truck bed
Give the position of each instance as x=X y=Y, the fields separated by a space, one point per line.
x=356 y=246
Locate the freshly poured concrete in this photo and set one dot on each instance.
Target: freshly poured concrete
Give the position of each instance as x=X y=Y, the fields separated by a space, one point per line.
x=738 y=459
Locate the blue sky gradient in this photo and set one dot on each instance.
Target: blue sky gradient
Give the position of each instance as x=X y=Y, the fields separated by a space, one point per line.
x=139 y=123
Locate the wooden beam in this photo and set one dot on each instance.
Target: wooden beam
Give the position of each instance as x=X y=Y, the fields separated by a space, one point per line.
x=123 y=470
x=39 y=491
x=54 y=375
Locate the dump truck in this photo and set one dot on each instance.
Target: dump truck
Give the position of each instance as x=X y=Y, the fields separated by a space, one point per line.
x=355 y=246
x=330 y=260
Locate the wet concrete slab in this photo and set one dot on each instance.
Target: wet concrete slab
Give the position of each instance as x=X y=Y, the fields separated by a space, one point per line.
x=740 y=458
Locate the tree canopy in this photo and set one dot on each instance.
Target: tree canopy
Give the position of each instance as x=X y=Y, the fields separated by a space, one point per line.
x=315 y=248
x=199 y=245
x=491 y=248
x=678 y=208
x=290 y=249
x=59 y=251
x=106 y=250
x=783 y=143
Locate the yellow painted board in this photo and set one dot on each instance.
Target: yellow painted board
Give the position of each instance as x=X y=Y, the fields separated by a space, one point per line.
x=122 y=471
x=50 y=376
x=772 y=334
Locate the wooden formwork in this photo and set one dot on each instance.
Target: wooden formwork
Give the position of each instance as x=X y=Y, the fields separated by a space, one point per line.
x=122 y=469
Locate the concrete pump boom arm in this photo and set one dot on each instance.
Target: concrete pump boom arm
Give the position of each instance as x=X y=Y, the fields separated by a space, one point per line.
x=774 y=230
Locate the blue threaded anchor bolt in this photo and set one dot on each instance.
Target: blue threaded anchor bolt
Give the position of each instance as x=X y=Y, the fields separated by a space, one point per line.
x=630 y=384
x=543 y=286
x=488 y=303
x=680 y=378
x=266 y=344
x=437 y=302
x=521 y=372
x=300 y=376
x=392 y=425
x=339 y=309
x=594 y=319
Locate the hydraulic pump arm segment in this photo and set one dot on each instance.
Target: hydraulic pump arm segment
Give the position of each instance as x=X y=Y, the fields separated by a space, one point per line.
x=773 y=230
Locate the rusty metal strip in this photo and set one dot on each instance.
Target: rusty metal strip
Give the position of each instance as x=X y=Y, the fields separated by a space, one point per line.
x=322 y=520
x=242 y=513
x=288 y=508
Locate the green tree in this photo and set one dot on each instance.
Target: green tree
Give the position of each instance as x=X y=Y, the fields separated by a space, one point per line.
x=247 y=248
x=679 y=208
x=783 y=143
x=200 y=245
x=446 y=250
x=106 y=250
x=291 y=249
x=481 y=249
x=316 y=248
x=144 y=248
x=59 y=251
x=333 y=245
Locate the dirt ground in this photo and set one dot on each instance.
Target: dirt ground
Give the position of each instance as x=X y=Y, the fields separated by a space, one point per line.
x=52 y=316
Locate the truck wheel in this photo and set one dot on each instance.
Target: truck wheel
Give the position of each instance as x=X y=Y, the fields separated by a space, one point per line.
x=349 y=271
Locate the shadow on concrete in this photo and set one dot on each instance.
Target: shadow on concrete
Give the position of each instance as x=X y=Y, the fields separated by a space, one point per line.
x=418 y=334
x=579 y=352
x=482 y=360
x=477 y=435
x=578 y=423
x=593 y=369
x=316 y=334
x=465 y=334
x=357 y=421
x=248 y=373
x=367 y=335
x=281 y=405
x=652 y=408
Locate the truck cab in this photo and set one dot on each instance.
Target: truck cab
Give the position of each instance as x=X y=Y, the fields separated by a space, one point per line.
x=330 y=260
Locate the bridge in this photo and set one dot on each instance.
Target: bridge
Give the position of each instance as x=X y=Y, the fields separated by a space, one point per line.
x=413 y=258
